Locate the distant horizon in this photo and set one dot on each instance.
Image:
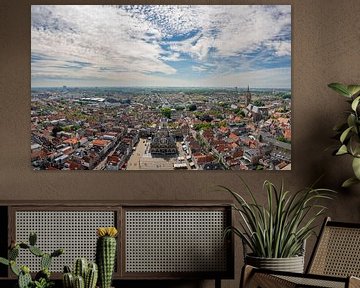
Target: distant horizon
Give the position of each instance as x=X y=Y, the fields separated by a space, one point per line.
x=164 y=87
x=161 y=45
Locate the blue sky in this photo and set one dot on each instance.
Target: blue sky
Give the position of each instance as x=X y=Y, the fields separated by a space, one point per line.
x=149 y=45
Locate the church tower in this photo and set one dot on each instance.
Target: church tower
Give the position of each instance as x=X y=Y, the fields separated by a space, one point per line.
x=248 y=97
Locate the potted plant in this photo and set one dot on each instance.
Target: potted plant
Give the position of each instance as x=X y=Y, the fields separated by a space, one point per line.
x=276 y=233
x=42 y=278
x=349 y=131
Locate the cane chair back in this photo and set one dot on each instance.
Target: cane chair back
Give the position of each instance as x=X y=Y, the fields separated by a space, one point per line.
x=335 y=262
x=337 y=252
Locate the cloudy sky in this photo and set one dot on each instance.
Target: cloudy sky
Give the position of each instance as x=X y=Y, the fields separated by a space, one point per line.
x=216 y=46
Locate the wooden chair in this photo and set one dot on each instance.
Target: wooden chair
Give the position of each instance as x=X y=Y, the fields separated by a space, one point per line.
x=334 y=263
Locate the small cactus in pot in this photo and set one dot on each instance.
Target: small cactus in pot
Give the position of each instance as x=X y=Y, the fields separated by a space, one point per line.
x=106 y=254
x=85 y=275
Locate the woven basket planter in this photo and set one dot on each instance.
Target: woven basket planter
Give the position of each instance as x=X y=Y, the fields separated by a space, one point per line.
x=291 y=264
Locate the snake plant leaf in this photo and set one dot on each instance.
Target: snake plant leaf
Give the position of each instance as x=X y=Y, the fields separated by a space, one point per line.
x=340 y=88
x=349 y=182
x=356 y=167
x=279 y=228
x=355 y=103
x=345 y=134
x=342 y=150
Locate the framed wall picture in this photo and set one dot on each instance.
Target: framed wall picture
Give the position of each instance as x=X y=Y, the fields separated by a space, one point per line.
x=161 y=87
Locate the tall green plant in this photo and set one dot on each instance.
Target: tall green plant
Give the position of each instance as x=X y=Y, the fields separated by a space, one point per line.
x=279 y=229
x=106 y=254
x=349 y=132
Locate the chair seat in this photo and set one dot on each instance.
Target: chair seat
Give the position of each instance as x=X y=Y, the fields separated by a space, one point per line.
x=267 y=279
x=314 y=282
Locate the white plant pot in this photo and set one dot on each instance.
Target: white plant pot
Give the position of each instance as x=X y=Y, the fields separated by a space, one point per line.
x=291 y=264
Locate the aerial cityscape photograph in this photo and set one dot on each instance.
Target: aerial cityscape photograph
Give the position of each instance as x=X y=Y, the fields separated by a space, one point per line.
x=161 y=87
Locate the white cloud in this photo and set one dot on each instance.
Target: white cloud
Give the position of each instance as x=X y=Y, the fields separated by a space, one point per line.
x=281 y=48
x=199 y=68
x=264 y=78
x=103 y=36
x=134 y=41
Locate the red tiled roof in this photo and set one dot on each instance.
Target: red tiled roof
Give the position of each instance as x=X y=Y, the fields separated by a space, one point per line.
x=100 y=143
x=202 y=159
x=234 y=137
x=71 y=141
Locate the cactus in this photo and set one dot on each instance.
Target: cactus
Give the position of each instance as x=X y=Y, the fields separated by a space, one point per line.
x=24 y=280
x=4 y=261
x=80 y=267
x=79 y=282
x=13 y=253
x=57 y=253
x=105 y=255
x=91 y=276
x=14 y=268
x=36 y=251
x=24 y=245
x=45 y=261
x=32 y=238
x=42 y=278
x=88 y=273
x=68 y=280
x=42 y=275
x=67 y=269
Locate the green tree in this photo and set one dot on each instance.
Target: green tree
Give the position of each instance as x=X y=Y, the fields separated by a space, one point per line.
x=202 y=126
x=166 y=112
x=55 y=130
x=283 y=139
x=241 y=113
x=192 y=107
x=258 y=103
x=179 y=108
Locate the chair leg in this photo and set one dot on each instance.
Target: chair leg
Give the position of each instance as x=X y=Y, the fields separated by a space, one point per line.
x=246 y=274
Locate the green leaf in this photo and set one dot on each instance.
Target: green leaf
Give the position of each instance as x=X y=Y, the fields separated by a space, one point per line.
x=354 y=145
x=349 y=182
x=342 y=150
x=340 y=88
x=355 y=103
x=279 y=228
x=356 y=167
x=4 y=261
x=351 y=120
x=14 y=268
x=353 y=89
x=345 y=134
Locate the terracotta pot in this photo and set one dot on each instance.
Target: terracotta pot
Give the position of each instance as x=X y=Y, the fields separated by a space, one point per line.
x=291 y=264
